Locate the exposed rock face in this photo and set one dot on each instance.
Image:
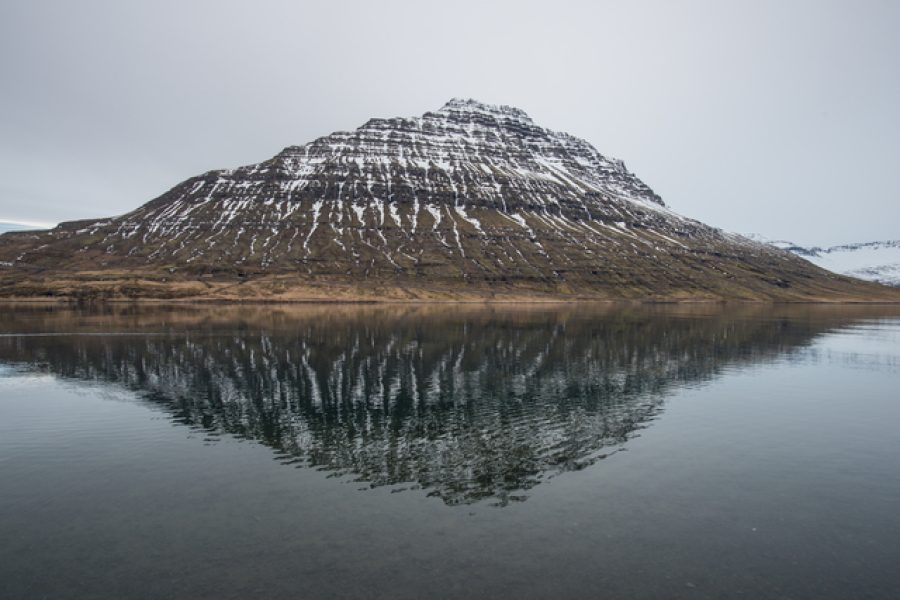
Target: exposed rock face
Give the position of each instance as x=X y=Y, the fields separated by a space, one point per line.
x=472 y=199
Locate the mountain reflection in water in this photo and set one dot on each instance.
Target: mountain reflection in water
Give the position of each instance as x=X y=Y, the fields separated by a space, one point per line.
x=466 y=402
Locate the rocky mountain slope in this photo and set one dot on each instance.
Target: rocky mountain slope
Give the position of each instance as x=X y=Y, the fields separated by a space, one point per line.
x=469 y=201
x=871 y=261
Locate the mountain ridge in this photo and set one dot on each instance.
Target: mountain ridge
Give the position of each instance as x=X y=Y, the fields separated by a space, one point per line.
x=877 y=261
x=469 y=201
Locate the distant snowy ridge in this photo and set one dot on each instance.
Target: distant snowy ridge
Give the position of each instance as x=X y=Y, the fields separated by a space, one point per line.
x=872 y=261
x=17 y=226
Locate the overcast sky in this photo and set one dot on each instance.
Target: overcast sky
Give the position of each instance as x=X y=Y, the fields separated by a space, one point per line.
x=775 y=117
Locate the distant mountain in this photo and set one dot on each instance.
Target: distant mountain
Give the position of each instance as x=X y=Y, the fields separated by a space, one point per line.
x=469 y=201
x=872 y=261
x=12 y=226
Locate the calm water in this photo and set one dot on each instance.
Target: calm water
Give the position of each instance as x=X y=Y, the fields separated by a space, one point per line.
x=450 y=452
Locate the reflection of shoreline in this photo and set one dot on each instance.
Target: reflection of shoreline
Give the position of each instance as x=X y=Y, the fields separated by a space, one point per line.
x=468 y=403
x=30 y=317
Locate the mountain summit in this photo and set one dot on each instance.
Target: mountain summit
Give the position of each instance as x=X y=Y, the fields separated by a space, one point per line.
x=471 y=200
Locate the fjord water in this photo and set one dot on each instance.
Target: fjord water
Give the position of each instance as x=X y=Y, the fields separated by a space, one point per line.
x=450 y=451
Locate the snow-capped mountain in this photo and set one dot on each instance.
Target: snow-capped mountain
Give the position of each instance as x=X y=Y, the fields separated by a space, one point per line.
x=471 y=199
x=872 y=261
x=15 y=226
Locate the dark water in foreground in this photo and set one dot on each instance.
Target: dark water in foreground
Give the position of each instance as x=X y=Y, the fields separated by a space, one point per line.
x=411 y=452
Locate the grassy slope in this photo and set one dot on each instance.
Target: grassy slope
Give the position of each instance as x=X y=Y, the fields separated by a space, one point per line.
x=288 y=287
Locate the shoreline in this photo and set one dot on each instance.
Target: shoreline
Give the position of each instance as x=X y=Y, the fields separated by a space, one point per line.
x=425 y=301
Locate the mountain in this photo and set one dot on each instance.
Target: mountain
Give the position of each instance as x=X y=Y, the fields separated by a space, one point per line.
x=872 y=261
x=469 y=201
x=13 y=226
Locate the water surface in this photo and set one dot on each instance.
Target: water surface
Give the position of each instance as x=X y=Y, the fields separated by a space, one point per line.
x=468 y=451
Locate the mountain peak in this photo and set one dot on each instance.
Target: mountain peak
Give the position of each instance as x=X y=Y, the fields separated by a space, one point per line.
x=462 y=106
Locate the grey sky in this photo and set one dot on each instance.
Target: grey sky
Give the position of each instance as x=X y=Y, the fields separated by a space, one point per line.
x=773 y=117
